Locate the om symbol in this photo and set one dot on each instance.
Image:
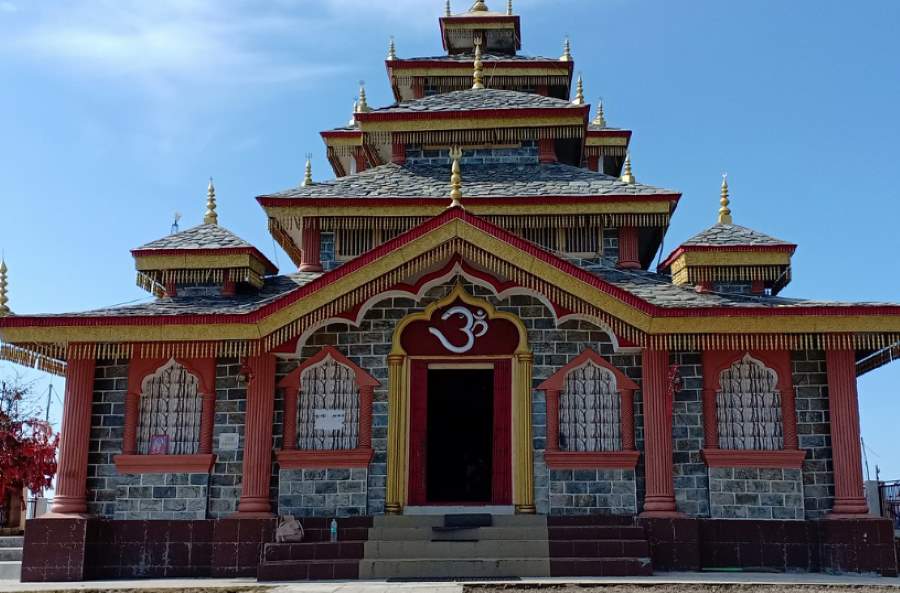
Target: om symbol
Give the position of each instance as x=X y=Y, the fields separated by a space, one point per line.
x=475 y=327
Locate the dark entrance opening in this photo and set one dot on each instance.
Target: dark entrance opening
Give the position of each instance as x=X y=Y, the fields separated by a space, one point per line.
x=459 y=463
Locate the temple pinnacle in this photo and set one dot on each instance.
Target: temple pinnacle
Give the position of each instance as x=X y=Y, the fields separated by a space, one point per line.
x=600 y=118
x=362 y=106
x=447 y=9
x=211 y=217
x=392 y=50
x=307 y=177
x=455 y=178
x=567 y=51
x=627 y=175
x=478 y=75
x=352 y=122
x=579 y=92
x=509 y=11
x=724 y=210
x=4 y=309
x=479 y=6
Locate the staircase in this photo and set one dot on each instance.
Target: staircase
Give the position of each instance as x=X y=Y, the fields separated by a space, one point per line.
x=11 y=557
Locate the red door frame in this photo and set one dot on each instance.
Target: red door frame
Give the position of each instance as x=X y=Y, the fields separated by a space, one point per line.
x=501 y=466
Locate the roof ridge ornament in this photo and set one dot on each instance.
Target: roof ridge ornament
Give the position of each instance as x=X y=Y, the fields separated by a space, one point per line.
x=509 y=7
x=447 y=11
x=724 y=210
x=362 y=106
x=567 y=51
x=392 y=50
x=352 y=123
x=307 y=176
x=211 y=217
x=4 y=298
x=627 y=175
x=600 y=118
x=478 y=74
x=579 y=92
x=479 y=6
x=455 y=178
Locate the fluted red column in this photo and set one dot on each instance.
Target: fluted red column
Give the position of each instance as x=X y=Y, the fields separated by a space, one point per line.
x=71 y=477
x=311 y=252
x=628 y=420
x=366 y=396
x=257 y=467
x=849 y=498
x=207 y=421
x=657 y=394
x=289 y=432
x=628 y=248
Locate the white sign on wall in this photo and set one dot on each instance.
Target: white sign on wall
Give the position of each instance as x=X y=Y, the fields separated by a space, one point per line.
x=229 y=441
x=329 y=420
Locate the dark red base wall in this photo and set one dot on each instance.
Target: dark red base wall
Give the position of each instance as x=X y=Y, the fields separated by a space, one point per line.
x=844 y=545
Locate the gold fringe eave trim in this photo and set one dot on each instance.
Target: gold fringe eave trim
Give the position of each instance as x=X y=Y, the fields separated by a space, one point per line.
x=605 y=150
x=492 y=81
x=696 y=274
x=508 y=222
x=484 y=136
x=31 y=359
x=162 y=278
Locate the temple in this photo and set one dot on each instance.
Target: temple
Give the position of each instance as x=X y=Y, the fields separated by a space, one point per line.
x=475 y=368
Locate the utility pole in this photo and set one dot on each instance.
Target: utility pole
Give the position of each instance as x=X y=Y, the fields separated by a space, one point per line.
x=49 y=399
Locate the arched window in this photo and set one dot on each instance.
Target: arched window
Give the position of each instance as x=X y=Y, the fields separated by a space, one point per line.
x=170 y=412
x=748 y=407
x=328 y=415
x=589 y=410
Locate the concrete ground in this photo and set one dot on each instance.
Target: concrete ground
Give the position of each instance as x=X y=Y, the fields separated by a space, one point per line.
x=691 y=582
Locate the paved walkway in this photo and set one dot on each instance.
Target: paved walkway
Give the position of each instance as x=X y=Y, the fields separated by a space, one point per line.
x=249 y=585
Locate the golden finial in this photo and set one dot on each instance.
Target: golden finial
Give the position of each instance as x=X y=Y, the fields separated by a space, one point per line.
x=392 y=50
x=362 y=106
x=478 y=75
x=724 y=210
x=4 y=310
x=455 y=178
x=211 y=217
x=627 y=175
x=567 y=51
x=447 y=9
x=579 y=92
x=509 y=7
x=479 y=6
x=352 y=121
x=307 y=177
x=600 y=118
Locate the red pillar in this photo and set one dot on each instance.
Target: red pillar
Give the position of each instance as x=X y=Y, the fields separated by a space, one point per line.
x=849 y=499
x=366 y=397
x=258 y=436
x=311 y=252
x=547 y=150
x=552 y=398
x=71 y=479
x=628 y=248
x=658 y=395
x=289 y=433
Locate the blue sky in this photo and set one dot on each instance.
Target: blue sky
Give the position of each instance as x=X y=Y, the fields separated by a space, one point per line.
x=113 y=114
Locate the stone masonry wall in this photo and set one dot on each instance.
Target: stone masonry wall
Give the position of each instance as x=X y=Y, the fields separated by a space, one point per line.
x=755 y=493
x=592 y=491
x=162 y=496
x=689 y=471
x=107 y=427
x=813 y=428
x=323 y=492
x=231 y=405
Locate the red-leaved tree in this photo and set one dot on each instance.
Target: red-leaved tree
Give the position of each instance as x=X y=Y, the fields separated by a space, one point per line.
x=27 y=445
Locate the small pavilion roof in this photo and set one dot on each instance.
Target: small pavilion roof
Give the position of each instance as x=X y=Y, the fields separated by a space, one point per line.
x=475 y=100
x=485 y=57
x=204 y=236
x=725 y=235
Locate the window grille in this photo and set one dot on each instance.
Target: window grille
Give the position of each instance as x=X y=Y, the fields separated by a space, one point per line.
x=749 y=407
x=543 y=236
x=352 y=242
x=589 y=411
x=329 y=392
x=583 y=240
x=170 y=412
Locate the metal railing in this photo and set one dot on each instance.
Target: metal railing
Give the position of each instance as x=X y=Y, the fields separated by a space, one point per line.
x=889 y=495
x=35 y=507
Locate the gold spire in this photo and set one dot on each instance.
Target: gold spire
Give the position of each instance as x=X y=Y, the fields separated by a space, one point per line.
x=307 y=177
x=478 y=75
x=724 y=210
x=392 y=50
x=479 y=6
x=509 y=11
x=211 y=217
x=567 y=51
x=4 y=310
x=600 y=118
x=627 y=175
x=579 y=92
x=352 y=121
x=447 y=9
x=362 y=106
x=455 y=178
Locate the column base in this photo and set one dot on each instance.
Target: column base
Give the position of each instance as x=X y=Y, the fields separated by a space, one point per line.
x=58 y=515
x=662 y=515
x=628 y=265
x=525 y=509
x=69 y=506
x=852 y=508
x=254 y=506
x=393 y=508
x=310 y=268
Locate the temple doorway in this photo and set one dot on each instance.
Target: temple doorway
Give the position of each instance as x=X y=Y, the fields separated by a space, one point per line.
x=459 y=442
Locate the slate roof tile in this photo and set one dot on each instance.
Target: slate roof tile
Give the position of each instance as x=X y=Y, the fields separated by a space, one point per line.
x=485 y=57
x=472 y=100
x=732 y=234
x=205 y=236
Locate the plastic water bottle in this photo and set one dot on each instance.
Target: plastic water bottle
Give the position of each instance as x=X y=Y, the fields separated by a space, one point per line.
x=334 y=530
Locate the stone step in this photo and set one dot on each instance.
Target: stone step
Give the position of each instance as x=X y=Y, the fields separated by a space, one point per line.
x=480 y=533
x=454 y=568
x=596 y=532
x=10 y=571
x=412 y=521
x=402 y=550
x=308 y=570
x=592 y=548
x=10 y=554
x=600 y=567
x=12 y=541
x=313 y=551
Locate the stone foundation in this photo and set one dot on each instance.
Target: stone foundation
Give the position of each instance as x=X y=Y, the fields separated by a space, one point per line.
x=755 y=493
x=322 y=492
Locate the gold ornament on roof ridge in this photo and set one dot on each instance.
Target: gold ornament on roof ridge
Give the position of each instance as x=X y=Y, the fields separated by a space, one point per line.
x=567 y=51
x=392 y=50
x=352 y=121
x=455 y=178
x=724 y=210
x=4 y=298
x=362 y=106
x=479 y=6
x=447 y=9
x=600 y=118
x=307 y=177
x=211 y=217
x=627 y=174
x=509 y=7
x=478 y=74
x=579 y=92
